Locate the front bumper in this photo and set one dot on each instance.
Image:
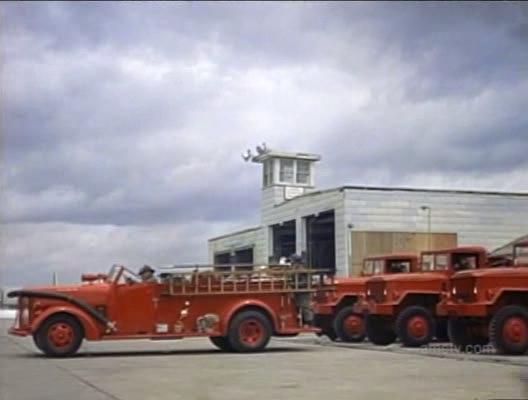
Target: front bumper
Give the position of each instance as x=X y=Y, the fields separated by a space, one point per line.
x=380 y=308
x=462 y=310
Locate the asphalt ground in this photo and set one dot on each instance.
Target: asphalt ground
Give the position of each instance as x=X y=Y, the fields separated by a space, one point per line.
x=298 y=368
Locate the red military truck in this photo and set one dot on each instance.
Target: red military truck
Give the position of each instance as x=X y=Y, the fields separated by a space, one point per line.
x=238 y=311
x=490 y=306
x=404 y=305
x=334 y=311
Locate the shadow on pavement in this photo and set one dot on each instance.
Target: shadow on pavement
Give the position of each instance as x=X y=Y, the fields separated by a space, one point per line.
x=158 y=353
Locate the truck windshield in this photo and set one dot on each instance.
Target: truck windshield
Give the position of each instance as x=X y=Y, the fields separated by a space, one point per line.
x=520 y=254
x=368 y=267
x=462 y=262
x=435 y=262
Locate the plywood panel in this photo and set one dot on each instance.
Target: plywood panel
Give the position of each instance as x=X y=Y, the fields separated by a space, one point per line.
x=364 y=244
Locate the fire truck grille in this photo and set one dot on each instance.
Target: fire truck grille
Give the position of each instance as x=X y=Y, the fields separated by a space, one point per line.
x=376 y=290
x=463 y=289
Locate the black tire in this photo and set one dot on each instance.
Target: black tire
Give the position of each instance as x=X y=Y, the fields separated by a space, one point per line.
x=221 y=342
x=340 y=325
x=65 y=322
x=464 y=336
x=324 y=322
x=37 y=343
x=407 y=317
x=498 y=325
x=441 y=330
x=254 y=321
x=379 y=330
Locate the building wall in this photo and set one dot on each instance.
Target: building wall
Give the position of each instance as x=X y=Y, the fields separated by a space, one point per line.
x=236 y=241
x=489 y=220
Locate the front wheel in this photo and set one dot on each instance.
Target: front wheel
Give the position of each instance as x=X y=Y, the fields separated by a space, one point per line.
x=222 y=342
x=349 y=325
x=60 y=335
x=508 y=330
x=379 y=330
x=249 y=331
x=415 y=326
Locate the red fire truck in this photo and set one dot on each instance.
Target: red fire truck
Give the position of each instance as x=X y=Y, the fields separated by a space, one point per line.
x=238 y=310
x=334 y=310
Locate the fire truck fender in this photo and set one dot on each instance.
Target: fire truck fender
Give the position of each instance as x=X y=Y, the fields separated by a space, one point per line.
x=91 y=332
x=250 y=304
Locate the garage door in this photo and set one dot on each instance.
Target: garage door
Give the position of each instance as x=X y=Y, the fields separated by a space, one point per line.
x=364 y=244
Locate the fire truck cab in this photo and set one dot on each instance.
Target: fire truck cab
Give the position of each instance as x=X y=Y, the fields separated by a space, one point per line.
x=404 y=305
x=335 y=311
x=490 y=306
x=238 y=310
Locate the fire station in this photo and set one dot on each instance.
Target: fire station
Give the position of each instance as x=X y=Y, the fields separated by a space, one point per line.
x=337 y=227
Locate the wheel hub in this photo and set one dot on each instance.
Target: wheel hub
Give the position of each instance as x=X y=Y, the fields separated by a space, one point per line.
x=418 y=327
x=515 y=330
x=354 y=325
x=60 y=334
x=251 y=332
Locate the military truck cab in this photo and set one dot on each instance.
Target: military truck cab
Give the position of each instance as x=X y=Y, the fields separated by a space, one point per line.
x=490 y=305
x=404 y=305
x=335 y=311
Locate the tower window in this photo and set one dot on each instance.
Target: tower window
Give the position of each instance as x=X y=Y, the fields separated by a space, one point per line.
x=303 y=171
x=286 y=170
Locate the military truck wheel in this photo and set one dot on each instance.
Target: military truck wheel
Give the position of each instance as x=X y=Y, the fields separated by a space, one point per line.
x=508 y=330
x=379 y=330
x=222 y=342
x=60 y=335
x=464 y=336
x=415 y=326
x=249 y=331
x=349 y=325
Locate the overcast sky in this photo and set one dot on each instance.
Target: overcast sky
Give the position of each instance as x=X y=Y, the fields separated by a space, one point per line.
x=123 y=123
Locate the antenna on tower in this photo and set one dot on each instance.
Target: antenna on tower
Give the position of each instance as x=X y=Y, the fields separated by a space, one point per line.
x=247 y=155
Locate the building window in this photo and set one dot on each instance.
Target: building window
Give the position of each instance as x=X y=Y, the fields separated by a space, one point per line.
x=286 y=170
x=268 y=173
x=303 y=171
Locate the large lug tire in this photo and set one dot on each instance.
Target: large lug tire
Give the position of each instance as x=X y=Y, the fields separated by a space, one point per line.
x=222 y=342
x=379 y=330
x=442 y=334
x=415 y=326
x=36 y=341
x=464 y=335
x=60 y=335
x=349 y=325
x=249 y=331
x=324 y=322
x=508 y=330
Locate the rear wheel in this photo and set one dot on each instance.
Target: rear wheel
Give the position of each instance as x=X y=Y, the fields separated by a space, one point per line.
x=249 y=331
x=464 y=335
x=349 y=325
x=60 y=335
x=379 y=330
x=324 y=322
x=415 y=326
x=509 y=330
x=222 y=342
x=37 y=343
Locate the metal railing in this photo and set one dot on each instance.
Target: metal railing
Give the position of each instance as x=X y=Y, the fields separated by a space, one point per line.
x=209 y=279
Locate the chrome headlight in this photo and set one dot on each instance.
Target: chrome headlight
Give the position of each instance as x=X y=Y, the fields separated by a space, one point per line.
x=453 y=291
x=475 y=290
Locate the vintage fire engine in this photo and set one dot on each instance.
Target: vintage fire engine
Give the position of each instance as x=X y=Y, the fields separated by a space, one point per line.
x=334 y=310
x=490 y=306
x=404 y=305
x=237 y=310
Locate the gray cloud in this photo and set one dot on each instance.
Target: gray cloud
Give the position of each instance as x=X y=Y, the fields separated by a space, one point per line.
x=130 y=117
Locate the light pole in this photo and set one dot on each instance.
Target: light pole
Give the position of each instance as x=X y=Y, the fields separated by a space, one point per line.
x=428 y=209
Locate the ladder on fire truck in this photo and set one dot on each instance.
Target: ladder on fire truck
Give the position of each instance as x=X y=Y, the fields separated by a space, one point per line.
x=221 y=279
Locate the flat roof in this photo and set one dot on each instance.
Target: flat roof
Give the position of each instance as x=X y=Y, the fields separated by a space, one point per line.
x=284 y=154
x=256 y=228
x=426 y=190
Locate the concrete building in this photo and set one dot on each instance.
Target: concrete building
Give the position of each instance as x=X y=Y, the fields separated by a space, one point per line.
x=336 y=228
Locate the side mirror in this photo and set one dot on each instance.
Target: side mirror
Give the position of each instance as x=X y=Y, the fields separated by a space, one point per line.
x=89 y=277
